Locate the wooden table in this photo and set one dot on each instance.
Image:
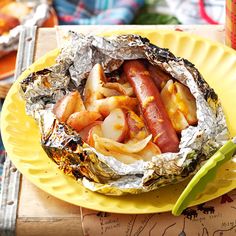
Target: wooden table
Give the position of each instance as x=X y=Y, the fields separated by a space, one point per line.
x=42 y=214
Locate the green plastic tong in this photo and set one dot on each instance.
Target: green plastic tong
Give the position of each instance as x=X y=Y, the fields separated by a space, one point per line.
x=206 y=174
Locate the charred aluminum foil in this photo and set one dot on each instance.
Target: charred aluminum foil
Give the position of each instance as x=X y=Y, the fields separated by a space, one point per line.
x=9 y=42
x=106 y=174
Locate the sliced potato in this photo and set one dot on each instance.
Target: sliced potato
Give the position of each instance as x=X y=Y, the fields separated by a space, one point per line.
x=80 y=120
x=69 y=104
x=79 y=106
x=94 y=83
x=105 y=106
x=84 y=133
x=115 y=125
x=187 y=103
x=137 y=128
x=180 y=105
x=95 y=130
x=179 y=121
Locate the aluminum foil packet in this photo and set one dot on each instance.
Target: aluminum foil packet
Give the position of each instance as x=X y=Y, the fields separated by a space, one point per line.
x=9 y=42
x=106 y=174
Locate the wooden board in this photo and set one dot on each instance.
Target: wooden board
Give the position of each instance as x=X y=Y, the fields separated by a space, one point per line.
x=42 y=214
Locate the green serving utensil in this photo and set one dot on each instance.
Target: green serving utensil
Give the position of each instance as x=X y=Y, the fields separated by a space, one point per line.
x=206 y=174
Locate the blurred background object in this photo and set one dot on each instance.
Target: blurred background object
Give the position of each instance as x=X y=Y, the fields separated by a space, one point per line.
x=155 y=12
x=13 y=16
x=101 y=12
x=16 y=14
x=230 y=24
x=82 y=12
x=198 y=11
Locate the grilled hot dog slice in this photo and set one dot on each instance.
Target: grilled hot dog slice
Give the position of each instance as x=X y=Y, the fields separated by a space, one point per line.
x=158 y=76
x=152 y=107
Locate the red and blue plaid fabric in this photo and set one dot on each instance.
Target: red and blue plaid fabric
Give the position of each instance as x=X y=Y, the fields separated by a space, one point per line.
x=96 y=12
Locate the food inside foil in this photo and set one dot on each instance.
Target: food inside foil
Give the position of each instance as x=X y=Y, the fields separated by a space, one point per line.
x=14 y=15
x=7 y=23
x=122 y=115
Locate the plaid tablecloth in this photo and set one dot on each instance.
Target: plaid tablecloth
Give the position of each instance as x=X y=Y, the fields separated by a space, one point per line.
x=109 y=12
x=100 y=12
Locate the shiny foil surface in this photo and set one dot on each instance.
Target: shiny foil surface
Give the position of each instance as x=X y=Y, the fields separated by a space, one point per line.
x=106 y=174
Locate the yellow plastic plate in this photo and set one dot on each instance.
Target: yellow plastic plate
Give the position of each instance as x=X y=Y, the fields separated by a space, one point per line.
x=21 y=137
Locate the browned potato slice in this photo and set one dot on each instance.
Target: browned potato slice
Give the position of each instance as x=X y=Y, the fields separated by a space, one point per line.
x=105 y=106
x=94 y=83
x=115 y=125
x=79 y=106
x=69 y=104
x=179 y=121
x=179 y=104
x=94 y=130
x=187 y=103
x=137 y=128
x=79 y=120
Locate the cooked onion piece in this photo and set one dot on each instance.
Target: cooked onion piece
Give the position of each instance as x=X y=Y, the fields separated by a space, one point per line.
x=126 y=158
x=149 y=151
x=107 y=92
x=130 y=147
x=123 y=89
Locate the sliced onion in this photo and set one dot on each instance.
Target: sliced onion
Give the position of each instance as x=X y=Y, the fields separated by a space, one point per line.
x=131 y=147
x=124 y=89
x=149 y=151
x=126 y=158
